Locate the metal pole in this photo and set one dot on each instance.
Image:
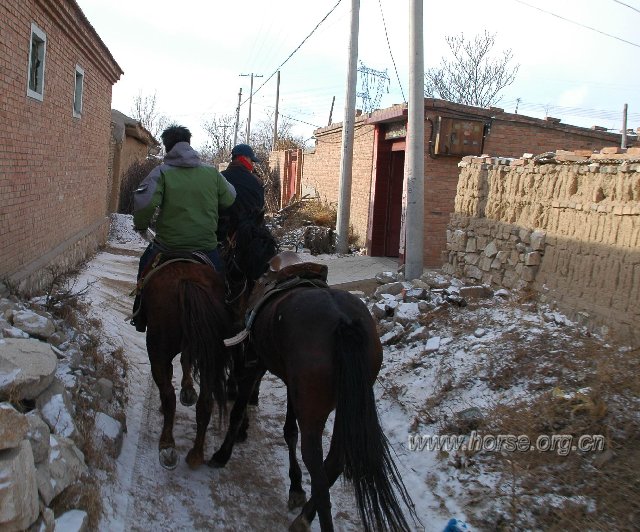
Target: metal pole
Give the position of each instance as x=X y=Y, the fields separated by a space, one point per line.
x=333 y=101
x=346 y=162
x=624 y=126
x=235 y=133
x=275 y=124
x=414 y=168
x=249 y=118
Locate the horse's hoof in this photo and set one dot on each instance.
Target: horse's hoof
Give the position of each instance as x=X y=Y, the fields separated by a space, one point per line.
x=300 y=524
x=217 y=462
x=168 y=458
x=297 y=499
x=194 y=459
x=188 y=396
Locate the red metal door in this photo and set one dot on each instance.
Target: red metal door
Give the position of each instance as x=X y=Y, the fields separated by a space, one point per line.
x=394 y=204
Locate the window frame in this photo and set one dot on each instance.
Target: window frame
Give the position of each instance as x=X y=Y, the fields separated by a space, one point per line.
x=42 y=36
x=78 y=74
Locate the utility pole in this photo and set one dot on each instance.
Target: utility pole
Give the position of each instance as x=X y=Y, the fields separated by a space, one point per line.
x=414 y=169
x=331 y=111
x=346 y=161
x=623 y=144
x=235 y=133
x=275 y=123
x=250 y=102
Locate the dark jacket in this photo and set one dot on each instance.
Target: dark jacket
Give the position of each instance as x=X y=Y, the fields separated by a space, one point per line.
x=249 y=198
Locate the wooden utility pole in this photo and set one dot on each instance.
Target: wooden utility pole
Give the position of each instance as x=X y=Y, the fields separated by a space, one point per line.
x=250 y=102
x=623 y=143
x=348 y=125
x=414 y=168
x=275 y=123
x=235 y=133
x=331 y=111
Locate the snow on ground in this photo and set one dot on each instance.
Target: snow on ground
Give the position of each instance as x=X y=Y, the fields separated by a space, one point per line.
x=251 y=492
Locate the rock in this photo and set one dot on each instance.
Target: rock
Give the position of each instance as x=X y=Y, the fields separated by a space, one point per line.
x=475 y=292
x=48 y=520
x=407 y=313
x=473 y=272
x=420 y=333
x=392 y=289
x=532 y=259
x=379 y=310
x=434 y=280
x=57 y=338
x=358 y=293
x=73 y=521
x=46 y=488
x=4 y=290
x=432 y=345
x=393 y=335
x=504 y=293
x=34 y=324
x=538 y=239
x=14 y=332
x=386 y=277
x=13 y=426
x=109 y=432
x=471 y=415
x=105 y=389
x=56 y=410
x=27 y=367
x=319 y=240
x=66 y=463
x=479 y=332
x=18 y=488
x=38 y=434
x=491 y=250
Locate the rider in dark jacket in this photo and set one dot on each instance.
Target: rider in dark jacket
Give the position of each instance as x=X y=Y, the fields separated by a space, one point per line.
x=249 y=189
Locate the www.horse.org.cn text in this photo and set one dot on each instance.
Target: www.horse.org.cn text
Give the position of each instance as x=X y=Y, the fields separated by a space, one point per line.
x=562 y=444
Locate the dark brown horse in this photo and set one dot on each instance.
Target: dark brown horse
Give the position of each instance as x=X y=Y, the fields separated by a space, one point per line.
x=324 y=346
x=183 y=305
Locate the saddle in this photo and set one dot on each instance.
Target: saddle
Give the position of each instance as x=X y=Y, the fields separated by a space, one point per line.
x=286 y=271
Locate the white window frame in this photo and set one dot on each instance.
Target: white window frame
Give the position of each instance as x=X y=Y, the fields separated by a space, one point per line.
x=42 y=36
x=78 y=95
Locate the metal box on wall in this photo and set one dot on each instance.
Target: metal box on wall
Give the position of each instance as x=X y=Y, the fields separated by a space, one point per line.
x=458 y=137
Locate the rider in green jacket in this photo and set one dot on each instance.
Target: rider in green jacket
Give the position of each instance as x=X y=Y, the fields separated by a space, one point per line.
x=188 y=195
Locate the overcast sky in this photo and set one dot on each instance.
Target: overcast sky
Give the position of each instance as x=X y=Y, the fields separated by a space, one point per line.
x=192 y=53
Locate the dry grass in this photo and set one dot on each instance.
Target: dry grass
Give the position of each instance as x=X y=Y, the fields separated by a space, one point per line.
x=83 y=494
x=582 y=490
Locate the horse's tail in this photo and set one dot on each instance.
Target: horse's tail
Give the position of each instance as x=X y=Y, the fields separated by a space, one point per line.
x=204 y=323
x=365 y=450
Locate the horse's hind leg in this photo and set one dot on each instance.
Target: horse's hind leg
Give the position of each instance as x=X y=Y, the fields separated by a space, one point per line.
x=162 y=373
x=333 y=467
x=297 y=496
x=188 y=394
x=311 y=443
x=204 y=406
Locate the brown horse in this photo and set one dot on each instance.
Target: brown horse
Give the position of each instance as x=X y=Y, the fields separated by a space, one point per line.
x=183 y=305
x=323 y=344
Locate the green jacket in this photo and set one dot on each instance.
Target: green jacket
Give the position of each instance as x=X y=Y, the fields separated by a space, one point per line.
x=189 y=195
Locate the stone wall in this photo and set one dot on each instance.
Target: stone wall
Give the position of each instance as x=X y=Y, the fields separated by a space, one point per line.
x=565 y=225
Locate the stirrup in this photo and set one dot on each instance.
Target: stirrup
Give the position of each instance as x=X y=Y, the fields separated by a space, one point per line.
x=238 y=338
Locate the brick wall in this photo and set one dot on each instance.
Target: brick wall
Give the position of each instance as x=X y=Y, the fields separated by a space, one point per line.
x=568 y=229
x=321 y=171
x=53 y=167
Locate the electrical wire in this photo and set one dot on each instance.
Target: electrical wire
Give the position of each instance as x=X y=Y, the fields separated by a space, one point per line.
x=578 y=23
x=297 y=48
x=384 y=23
x=627 y=5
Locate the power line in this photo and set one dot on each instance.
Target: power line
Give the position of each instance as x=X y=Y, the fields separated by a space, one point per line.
x=627 y=5
x=384 y=23
x=297 y=48
x=578 y=23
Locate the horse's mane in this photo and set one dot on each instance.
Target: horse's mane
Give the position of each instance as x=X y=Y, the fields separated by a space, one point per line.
x=248 y=252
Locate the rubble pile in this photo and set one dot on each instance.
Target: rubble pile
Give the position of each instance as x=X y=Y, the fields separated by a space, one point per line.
x=49 y=371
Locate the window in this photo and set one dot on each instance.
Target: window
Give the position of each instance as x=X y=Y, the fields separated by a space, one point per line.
x=37 y=52
x=77 y=93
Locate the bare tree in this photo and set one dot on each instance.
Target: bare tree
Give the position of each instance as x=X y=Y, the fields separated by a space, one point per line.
x=219 y=142
x=145 y=110
x=262 y=136
x=473 y=76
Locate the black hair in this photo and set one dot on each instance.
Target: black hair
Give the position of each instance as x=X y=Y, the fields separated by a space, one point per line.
x=174 y=134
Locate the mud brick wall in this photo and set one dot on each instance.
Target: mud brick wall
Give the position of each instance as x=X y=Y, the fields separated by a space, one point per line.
x=53 y=166
x=565 y=225
x=321 y=171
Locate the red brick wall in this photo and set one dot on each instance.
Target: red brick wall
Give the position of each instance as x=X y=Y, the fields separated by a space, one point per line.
x=321 y=171
x=53 y=167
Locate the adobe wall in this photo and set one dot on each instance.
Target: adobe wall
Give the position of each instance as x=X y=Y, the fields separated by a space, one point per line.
x=321 y=170
x=566 y=227
x=53 y=167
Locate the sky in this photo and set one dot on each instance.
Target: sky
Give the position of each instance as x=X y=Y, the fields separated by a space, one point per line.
x=578 y=58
